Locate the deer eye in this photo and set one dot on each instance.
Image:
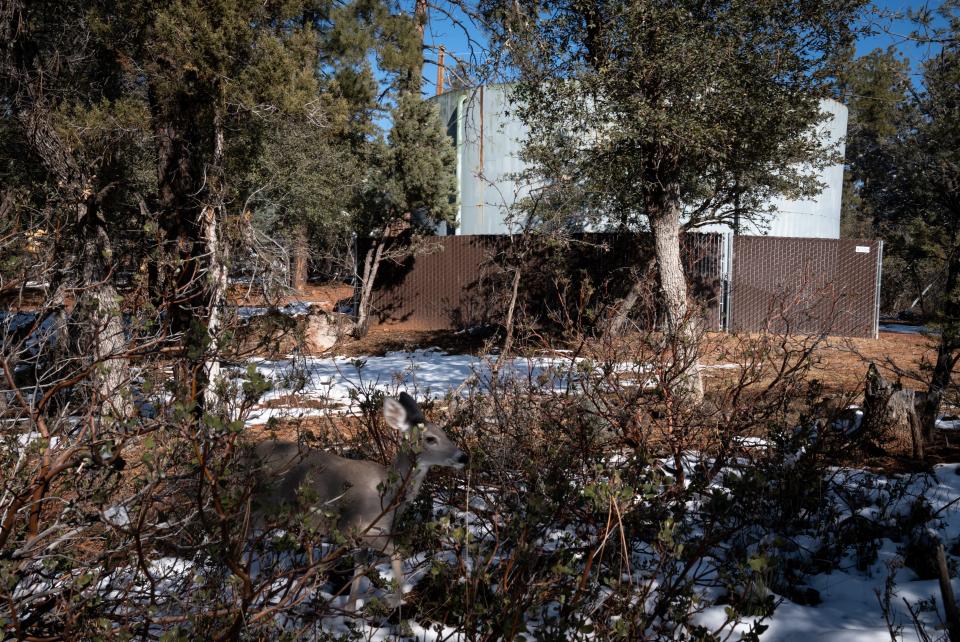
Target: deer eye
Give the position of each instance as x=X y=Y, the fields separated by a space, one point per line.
x=431 y=440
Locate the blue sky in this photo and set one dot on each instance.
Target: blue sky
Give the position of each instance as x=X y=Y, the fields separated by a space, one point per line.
x=455 y=32
x=890 y=27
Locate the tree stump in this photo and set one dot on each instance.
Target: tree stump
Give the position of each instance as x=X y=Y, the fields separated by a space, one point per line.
x=891 y=415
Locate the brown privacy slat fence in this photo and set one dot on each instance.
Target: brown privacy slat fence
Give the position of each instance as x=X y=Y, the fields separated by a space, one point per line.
x=438 y=289
x=462 y=281
x=805 y=286
x=799 y=285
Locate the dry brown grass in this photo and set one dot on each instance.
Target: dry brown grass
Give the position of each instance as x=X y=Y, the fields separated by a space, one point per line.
x=841 y=363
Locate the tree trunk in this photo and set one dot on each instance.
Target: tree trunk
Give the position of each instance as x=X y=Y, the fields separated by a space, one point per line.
x=98 y=308
x=619 y=320
x=175 y=284
x=192 y=270
x=890 y=415
x=301 y=258
x=371 y=266
x=411 y=81
x=680 y=327
x=217 y=270
x=102 y=319
x=511 y=312
x=946 y=593
x=216 y=281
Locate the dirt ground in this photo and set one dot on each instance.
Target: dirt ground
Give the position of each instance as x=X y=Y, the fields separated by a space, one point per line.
x=381 y=340
x=844 y=361
x=841 y=363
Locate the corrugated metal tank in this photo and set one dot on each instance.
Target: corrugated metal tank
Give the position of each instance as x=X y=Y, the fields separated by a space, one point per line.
x=488 y=139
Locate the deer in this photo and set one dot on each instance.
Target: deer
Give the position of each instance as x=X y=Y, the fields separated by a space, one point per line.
x=357 y=498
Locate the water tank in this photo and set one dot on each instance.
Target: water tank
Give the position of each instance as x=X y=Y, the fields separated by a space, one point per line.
x=488 y=139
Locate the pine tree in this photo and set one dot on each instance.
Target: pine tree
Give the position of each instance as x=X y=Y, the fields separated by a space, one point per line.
x=918 y=205
x=77 y=136
x=170 y=113
x=873 y=87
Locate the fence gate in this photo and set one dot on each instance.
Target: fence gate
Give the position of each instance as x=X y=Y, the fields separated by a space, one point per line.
x=805 y=286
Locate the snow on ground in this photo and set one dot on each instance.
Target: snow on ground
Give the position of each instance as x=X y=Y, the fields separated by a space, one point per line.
x=948 y=422
x=340 y=382
x=296 y=309
x=850 y=609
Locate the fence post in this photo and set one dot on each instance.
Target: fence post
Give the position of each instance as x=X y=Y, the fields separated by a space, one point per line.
x=876 y=295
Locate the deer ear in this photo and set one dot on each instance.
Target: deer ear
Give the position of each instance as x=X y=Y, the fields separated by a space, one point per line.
x=395 y=414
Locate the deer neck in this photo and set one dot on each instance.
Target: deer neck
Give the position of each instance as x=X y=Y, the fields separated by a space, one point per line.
x=408 y=476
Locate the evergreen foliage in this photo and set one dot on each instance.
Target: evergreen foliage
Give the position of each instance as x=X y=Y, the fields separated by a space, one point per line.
x=170 y=126
x=655 y=115
x=874 y=88
x=414 y=178
x=917 y=201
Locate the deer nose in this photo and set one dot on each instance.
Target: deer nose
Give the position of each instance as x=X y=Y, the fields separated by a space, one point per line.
x=463 y=459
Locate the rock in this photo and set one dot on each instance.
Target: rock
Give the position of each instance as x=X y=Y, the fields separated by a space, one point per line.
x=323 y=329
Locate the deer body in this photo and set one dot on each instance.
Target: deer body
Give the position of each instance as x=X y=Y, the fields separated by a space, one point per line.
x=357 y=498
x=348 y=495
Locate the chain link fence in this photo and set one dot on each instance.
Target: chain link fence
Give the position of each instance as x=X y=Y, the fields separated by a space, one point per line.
x=805 y=286
x=744 y=284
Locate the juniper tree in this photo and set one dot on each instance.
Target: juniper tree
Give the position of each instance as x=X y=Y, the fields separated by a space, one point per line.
x=642 y=113
x=162 y=121
x=228 y=85
x=314 y=172
x=76 y=136
x=181 y=110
